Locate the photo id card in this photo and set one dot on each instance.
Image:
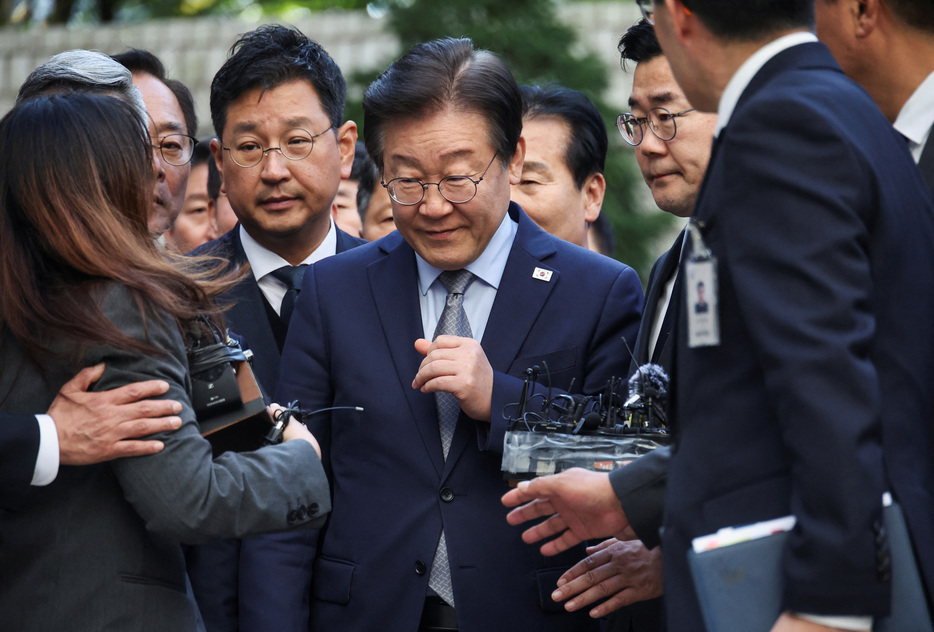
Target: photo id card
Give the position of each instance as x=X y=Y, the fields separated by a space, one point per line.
x=701 y=302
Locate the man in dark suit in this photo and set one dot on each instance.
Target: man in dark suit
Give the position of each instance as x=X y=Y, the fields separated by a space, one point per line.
x=672 y=160
x=562 y=185
x=815 y=398
x=888 y=47
x=418 y=540
x=281 y=148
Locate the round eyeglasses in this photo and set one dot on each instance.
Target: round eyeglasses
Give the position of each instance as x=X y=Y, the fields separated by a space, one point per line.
x=176 y=149
x=295 y=144
x=648 y=10
x=659 y=120
x=454 y=189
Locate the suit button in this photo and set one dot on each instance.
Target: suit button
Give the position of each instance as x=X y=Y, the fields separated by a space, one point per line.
x=312 y=509
x=447 y=494
x=292 y=517
x=420 y=568
x=302 y=513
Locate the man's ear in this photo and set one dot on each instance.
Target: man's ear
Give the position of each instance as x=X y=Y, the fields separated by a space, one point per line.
x=347 y=143
x=593 y=191
x=515 y=164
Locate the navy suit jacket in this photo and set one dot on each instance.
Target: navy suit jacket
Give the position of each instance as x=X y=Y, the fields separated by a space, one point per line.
x=351 y=344
x=19 y=446
x=818 y=397
x=259 y=583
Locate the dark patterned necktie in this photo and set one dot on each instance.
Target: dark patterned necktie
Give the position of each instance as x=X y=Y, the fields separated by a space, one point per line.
x=453 y=322
x=291 y=278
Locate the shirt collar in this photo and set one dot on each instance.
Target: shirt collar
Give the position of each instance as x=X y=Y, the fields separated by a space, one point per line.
x=741 y=78
x=488 y=267
x=917 y=115
x=264 y=261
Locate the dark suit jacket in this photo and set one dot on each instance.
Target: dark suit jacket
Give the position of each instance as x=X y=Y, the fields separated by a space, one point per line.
x=926 y=164
x=640 y=485
x=818 y=397
x=260 y=583
x=19 y=446
x=351 y=344
x=99 y=548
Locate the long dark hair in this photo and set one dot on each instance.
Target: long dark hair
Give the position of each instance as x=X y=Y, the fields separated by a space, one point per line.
x=75 y=195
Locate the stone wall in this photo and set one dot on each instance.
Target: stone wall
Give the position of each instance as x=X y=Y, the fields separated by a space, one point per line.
x=193 y=49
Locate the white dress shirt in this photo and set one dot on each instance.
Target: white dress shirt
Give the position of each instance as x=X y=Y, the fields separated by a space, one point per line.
x=917 y=117
x=264 y=262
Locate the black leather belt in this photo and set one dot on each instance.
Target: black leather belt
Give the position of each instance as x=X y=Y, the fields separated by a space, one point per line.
x=437 y=616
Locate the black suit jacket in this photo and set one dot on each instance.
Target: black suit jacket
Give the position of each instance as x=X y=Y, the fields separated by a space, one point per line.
x=19 y=446
x=260 y=583
x=818 y=397
x=926 y=164
x=247 y=315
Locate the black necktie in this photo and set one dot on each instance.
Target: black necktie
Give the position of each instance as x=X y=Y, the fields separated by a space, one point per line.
x=291 y=278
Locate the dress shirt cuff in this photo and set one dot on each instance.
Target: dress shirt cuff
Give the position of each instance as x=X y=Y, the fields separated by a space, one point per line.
x=839 y=622
x=47 y=458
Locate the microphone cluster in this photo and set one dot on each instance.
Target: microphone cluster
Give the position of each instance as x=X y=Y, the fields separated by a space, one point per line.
x=551 y=433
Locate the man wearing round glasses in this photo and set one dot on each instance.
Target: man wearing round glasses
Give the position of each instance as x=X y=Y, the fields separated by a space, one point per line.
x=282 y=148
x=172 y=124
x=431 y=330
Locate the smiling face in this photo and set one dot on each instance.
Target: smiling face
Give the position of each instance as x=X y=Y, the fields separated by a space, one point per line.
x=673 y=169
x=284 y=204
x=547 y=191
x=433 y=146
x=165 y=117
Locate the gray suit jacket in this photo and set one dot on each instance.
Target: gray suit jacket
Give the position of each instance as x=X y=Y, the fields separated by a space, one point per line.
x=99 y=548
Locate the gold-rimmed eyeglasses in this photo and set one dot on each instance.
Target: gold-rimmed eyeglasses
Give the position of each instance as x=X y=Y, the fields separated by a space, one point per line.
x=295 y=144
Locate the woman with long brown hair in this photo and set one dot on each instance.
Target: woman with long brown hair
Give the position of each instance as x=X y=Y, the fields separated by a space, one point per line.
x=81 y=283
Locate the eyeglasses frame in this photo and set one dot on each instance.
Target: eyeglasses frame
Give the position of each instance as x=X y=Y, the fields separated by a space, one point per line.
x=279 y=148
x=646 y=121
x=425 y=185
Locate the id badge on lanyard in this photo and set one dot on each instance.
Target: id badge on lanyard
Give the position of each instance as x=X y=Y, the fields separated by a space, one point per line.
x=701 y=302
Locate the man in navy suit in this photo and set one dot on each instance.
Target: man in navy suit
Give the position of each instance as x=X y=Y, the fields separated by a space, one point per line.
x=672 y=157
x=281 y=148
x=417 y=539
x=815 y=398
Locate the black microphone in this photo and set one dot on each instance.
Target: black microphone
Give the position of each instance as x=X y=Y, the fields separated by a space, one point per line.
x=282 y=417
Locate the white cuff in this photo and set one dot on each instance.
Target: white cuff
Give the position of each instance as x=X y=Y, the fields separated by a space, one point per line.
x=862 y=624
x=47 y=459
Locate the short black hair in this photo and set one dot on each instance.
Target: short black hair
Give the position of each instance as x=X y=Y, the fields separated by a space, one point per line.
x=214 y=180
x=639 y=44
x=917 y=13
x=601 y=235
x=201 y=154
x=585 y=154
x=360 y=158
x=270 y=56
x=442 y=73
x=367 y=181
x=136 y=60
x=751 y=20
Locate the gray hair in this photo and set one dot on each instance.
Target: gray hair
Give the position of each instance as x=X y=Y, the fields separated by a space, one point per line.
x=84 y=71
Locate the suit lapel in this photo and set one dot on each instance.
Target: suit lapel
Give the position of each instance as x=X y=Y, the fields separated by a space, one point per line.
x=394 y=284
x=247 y=317
x=926 y=164
x=519 y=301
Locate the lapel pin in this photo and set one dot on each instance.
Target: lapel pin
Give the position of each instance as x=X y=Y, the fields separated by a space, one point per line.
x=542 y=274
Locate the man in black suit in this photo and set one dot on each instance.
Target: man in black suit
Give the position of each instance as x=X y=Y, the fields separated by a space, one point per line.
x=888 y=47
x=281 y=148
x=814 y=399
x=673 y=169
